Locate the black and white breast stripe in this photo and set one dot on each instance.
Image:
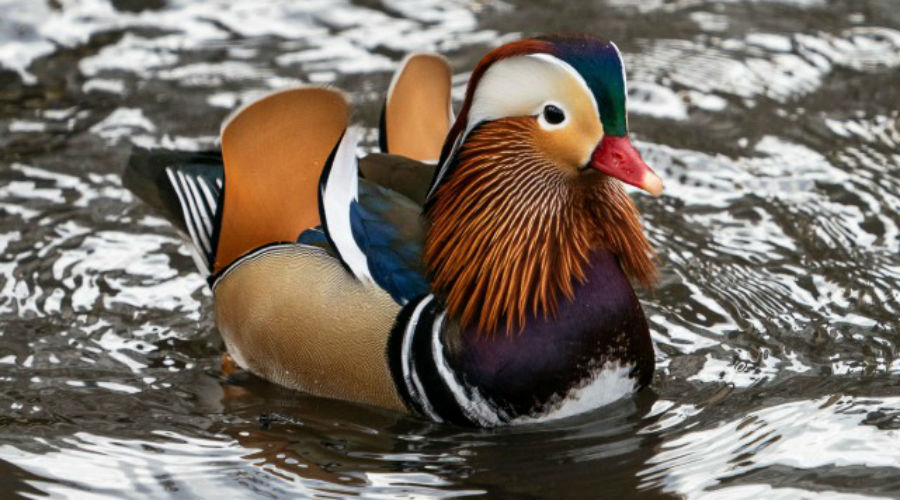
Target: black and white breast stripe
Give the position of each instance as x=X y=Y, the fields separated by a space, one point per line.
x=199 y=199
x=424 y=377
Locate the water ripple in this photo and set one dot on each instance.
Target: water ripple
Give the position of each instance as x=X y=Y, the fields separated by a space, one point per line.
x=774 y=124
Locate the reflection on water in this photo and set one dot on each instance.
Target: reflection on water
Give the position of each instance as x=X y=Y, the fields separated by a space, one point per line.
x=774 y=123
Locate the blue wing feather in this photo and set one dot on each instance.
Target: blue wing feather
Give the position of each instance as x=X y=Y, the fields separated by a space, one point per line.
x=388 y=228
x=313 y=236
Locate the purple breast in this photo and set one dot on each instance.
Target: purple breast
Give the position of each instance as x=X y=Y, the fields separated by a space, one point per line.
x=604 y=322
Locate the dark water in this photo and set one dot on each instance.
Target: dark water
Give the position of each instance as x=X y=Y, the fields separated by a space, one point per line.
x=774 y=124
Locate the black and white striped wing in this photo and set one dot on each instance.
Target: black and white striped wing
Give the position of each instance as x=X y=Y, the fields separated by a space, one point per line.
x=185 y=187
x=199 y=191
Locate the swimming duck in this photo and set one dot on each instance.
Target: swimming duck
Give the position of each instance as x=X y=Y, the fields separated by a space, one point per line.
x=478 y=271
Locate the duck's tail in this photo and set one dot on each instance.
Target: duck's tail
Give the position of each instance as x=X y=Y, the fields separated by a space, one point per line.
x=187 y=189
x=262 y=188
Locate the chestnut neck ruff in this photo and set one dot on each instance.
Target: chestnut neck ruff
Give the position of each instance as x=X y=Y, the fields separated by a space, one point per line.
x=511 y=232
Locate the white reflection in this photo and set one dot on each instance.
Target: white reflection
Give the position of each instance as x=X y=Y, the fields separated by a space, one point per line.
x=799 y=434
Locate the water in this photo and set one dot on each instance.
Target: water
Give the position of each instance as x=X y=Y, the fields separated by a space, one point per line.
x=774 y=124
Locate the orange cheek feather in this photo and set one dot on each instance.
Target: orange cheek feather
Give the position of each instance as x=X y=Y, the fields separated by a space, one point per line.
x=569 y=147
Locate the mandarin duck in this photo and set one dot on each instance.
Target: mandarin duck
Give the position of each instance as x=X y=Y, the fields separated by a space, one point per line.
x=478 y=271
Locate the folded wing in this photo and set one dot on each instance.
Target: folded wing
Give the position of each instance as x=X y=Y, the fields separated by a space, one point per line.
x=377 y=232
x=289 y=168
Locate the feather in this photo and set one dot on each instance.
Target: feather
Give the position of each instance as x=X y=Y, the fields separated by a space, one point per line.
x=376 y=232
x=389 y=230
x=187 y=188
x=511 y=233
x=397 y=173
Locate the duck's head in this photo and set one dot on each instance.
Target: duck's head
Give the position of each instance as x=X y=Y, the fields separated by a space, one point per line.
x=527 y=187
x=570 y=95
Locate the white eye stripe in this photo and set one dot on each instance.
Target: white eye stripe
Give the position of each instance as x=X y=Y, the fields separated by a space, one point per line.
x=517 y=86
x=535 y=77
x=574 y=73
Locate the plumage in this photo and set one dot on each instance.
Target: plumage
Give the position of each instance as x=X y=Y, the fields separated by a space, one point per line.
x=274 y=150
x=493 y=235
x=600 y=64
x=404 y=175
x=488 y=287
x=390 y=230
x=541 y=211
x=284 y=312
x=417 y=109
x=187 y=189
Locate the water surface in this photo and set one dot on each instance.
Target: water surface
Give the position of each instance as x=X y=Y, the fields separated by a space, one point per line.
x=773 y=123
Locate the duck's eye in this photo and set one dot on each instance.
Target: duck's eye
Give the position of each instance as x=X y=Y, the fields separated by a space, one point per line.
x=553 y=114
